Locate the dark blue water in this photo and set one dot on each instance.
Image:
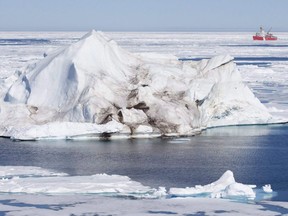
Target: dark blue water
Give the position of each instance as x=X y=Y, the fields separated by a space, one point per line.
x=256 y=155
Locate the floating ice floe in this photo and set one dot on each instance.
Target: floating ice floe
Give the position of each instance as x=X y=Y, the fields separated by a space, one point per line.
x=26 y=171
x=224 y=187
x=36 y=180
x=94 y=88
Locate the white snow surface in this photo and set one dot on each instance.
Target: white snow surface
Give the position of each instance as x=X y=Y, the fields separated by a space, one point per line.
x=20 y=205
x=95 y=87
x=25 y=189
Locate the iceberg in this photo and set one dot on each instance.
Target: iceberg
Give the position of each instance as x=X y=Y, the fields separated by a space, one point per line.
x=94 y=88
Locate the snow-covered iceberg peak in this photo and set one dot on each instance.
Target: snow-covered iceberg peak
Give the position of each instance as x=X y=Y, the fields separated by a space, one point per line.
x=65 y=78
x=97 y=82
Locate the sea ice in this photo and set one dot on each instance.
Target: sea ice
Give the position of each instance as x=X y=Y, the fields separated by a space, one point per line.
x=63 y=205
x=95 y=88
x=24 y=189
x=36 y=180
x=26 y=171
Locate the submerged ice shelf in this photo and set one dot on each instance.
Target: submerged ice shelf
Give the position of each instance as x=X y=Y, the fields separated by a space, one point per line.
x=94 y=88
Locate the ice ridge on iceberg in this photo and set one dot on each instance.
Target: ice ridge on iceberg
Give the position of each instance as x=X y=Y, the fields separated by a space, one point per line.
x=95 y=88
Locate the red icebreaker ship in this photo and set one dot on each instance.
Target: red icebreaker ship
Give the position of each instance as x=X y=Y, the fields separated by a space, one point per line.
x=262 y=35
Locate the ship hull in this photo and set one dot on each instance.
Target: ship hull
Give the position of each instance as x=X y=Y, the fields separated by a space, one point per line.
x=255 y=37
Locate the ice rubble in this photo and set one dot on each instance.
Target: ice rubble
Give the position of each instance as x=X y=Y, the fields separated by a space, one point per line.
x=95 y=88
x=22 y=180
x=224 y=187
x=267 y=188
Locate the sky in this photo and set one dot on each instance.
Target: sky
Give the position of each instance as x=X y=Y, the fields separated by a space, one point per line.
x=143 y=15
